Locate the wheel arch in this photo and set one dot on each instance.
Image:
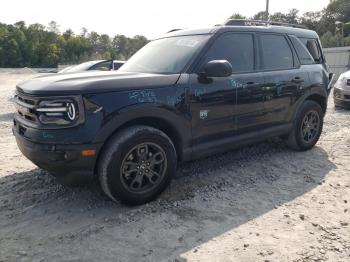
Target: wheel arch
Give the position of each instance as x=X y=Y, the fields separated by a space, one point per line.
x=159 y=123
x=320 y=99
x=317 y=95
x=166 y=126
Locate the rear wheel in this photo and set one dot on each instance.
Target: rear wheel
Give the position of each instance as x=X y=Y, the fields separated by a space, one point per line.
x=307 y=126
x=137 y=165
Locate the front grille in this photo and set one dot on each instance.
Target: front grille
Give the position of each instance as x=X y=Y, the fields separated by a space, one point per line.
x=26 y=100
x=25 y=107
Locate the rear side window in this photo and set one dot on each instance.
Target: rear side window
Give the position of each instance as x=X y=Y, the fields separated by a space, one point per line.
x=302 y=52
x=238 y=49
x=276 y=52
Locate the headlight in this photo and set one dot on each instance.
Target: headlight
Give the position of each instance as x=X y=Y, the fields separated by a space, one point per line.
x=50 y=112
x=342 y=82
x=60 y=111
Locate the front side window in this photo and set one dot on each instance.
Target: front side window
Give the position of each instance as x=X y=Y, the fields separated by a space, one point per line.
x=166 y=55
x=238 y=49
x=276 y=52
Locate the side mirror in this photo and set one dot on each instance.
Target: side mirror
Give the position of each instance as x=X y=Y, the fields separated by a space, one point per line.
x=218 y=68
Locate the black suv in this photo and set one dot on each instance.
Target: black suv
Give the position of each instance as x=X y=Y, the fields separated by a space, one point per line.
x=187 y=95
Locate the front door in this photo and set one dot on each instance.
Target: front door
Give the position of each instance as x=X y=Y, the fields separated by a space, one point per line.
x=214 y=108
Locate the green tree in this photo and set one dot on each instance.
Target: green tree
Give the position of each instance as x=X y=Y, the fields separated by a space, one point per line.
x=339 y=10
x=54 y=27
x=311 y=20
x=260 y=16
x=291 y=17
x=68 y=34
x=51 y=55
x=237 y=16
x=120 y=45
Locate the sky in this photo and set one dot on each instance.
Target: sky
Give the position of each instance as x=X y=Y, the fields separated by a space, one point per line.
x=150 y=18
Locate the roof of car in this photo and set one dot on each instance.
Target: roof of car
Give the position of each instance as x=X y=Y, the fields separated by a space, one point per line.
x=299 y=32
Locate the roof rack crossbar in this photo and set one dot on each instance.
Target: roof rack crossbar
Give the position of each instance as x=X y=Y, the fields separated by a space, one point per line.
x=248 y=22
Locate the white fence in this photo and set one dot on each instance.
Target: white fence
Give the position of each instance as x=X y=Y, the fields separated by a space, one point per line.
x=338 y=59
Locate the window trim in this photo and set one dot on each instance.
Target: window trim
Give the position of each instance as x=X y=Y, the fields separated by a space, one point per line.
x=200 y=62
x=296 y=64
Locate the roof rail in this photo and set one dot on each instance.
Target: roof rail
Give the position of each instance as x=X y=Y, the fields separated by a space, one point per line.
x=173 y=30
x=247 y=22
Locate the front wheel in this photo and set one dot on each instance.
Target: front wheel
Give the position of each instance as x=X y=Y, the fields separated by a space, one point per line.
x=307 y=126
x=137 y=165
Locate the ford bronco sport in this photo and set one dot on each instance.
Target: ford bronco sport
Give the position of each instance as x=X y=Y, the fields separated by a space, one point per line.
x=187 y=95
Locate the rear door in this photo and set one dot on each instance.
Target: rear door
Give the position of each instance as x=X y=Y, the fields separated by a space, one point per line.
x=283 y=77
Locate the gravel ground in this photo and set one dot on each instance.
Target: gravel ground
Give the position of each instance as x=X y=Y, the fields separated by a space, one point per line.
x=258 y=203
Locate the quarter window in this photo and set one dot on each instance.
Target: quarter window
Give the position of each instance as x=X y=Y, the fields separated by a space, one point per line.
x=276 y=52
x=314 y=49
x=302 y=52
x=238 y=49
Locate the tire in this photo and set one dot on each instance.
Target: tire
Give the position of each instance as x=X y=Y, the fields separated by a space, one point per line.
x=136 y=165
x=304 y=136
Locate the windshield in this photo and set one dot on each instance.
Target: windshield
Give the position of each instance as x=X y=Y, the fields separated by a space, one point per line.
x=165 y=56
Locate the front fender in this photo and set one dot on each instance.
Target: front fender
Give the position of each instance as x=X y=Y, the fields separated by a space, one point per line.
x=165 y=105
x=133 y=113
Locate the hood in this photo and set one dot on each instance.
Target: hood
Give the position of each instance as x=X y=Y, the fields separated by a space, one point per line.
x=346 y=75
x=93 y=82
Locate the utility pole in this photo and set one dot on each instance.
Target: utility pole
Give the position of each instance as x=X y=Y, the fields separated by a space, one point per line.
x=267 y=10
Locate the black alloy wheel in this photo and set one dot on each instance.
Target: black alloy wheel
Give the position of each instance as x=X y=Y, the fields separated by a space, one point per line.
x=143 y=167
x=310 y=126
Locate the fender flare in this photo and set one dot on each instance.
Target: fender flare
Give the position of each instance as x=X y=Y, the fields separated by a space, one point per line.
x=143 y=113
x=320 y=92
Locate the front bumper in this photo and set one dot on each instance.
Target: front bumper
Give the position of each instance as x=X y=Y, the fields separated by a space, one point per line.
x=64 y=161
x=341 y=97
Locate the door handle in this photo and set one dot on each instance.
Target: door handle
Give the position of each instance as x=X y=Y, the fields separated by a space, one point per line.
x=297 y=80
x=251 y=84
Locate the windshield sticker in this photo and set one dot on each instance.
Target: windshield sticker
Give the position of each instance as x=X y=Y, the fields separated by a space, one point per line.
x=186 y=42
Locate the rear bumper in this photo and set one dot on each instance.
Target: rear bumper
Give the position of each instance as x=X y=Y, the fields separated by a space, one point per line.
x=63 y=161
